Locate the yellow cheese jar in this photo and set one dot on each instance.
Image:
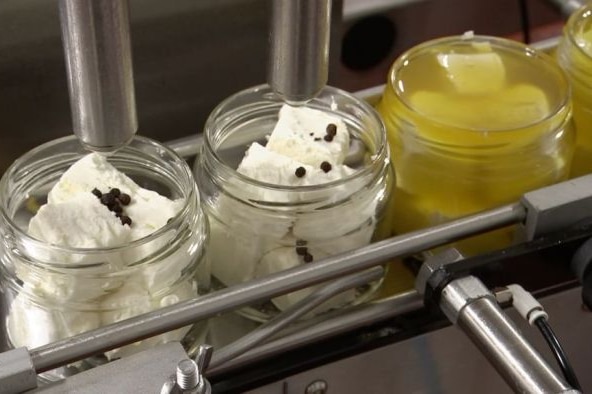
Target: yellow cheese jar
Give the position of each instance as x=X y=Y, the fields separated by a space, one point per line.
x=574 y=54
x=473 y=122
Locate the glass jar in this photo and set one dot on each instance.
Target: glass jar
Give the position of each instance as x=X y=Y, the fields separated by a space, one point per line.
x=256 y=228
x=52 y=292
x=574 y=54
x=473 y=123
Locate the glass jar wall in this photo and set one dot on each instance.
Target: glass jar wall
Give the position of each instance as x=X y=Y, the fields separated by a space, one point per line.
x=258 y=228
x=473 y=122
x=574 y=54
x=51 y=292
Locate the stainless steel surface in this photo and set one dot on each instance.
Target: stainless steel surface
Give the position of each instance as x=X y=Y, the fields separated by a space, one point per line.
x=512 y=356
x=145 y=372
x=298 y=310
x=299 y=53
x=445 y=361
x=459 y=294
x=17 y=373
x=557 y=206
x=175 y=316
x=189 y=55
x=97 y=46
x=321 y=328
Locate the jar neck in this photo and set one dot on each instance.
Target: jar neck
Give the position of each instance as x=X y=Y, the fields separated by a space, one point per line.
x=258 y=105
x=416 y=131
x=34 y=174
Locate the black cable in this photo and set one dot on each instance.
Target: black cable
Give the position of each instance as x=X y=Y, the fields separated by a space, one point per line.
x=558 y=352
x=524 y=21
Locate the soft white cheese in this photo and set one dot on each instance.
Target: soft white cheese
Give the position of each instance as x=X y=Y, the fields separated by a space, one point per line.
x=300 y=134
x=265 y=165
x=148 y=209
x=256 y=240
x=74 y=217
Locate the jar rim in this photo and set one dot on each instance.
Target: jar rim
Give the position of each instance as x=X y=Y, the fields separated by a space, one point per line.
x=22 y=233
x=380 y=155
x=499 y=42
x=574 y=22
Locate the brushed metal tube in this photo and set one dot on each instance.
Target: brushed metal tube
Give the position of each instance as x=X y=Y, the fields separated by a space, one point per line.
x=175 y=316
x=496 y=336
x=299 y=53
x=97 y=47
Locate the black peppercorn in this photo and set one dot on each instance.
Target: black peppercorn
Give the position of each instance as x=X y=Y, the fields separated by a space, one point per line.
x=126 y=220
x=301 y=250
x=326 y=166
x=107 y=199
x=328 y=137
x=115 y=191
x=331 y=129
x=308 y=258
x=97 y=192
x=124 y=199
x=300 y=171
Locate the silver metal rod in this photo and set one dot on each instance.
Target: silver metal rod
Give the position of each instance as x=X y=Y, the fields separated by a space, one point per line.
x=499 y=340
x=313 y=331
x=299 y=53
x=301 y=308
x=97 y=46
x=175 y=316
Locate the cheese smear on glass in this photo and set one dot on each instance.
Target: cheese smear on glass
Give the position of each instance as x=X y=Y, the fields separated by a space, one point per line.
x=76 y=218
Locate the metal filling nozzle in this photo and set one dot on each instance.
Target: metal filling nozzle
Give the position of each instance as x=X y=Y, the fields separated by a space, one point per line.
x=299 y=55
x=99 y=64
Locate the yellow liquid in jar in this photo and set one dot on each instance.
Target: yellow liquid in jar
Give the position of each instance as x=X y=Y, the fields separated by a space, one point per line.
x=472 y=126
x=575 y=56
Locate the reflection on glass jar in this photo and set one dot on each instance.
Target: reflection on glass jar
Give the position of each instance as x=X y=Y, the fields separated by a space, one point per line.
x=52 y=290
x=473 y=122
x=574 y=54
x=276 y=212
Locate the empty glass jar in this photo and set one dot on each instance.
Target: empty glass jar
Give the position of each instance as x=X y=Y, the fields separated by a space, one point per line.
x=260 y=228
x=52 y=292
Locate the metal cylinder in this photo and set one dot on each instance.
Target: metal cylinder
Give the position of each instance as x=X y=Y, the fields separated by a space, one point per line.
x=479 y=316
x=299 y=54
x=97 y=46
